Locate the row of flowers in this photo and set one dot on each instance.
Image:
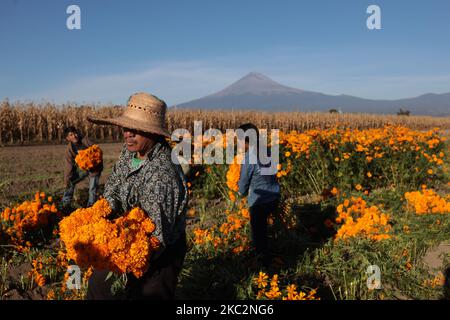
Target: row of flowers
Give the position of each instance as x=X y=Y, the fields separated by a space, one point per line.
x=427 y=201
x=228 y=236
x=24 y=222
x=360 y=159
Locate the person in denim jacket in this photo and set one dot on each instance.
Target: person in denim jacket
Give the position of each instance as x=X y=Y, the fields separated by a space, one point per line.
x=263 y=192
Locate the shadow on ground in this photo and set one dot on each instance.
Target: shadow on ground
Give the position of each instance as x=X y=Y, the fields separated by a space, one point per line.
x=227 y=276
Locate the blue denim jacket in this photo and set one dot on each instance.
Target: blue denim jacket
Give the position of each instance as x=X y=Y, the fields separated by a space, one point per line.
x=260 y=188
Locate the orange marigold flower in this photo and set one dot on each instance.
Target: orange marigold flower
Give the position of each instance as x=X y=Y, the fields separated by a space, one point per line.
x=27 y=216
x=261 y=280
x=426 y=201
x=89 y=158
x=233 y=175
x=360 y=220
x=408 y=266
x=122 y=245
x=51 y=295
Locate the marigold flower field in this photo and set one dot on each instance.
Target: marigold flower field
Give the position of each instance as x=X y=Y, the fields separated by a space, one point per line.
x=351 y=198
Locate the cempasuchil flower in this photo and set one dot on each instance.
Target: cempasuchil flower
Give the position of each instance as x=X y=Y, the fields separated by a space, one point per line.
x=123 y=245
x=89 y=158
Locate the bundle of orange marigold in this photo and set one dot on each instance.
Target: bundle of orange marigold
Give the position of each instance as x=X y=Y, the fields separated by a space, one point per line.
x=89 y=158
x=28 y=216
x=427 y=201
x=122 y=245
x=360 y=220
x=233 y=176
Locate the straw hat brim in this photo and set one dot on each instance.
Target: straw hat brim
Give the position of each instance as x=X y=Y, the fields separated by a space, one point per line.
x=125 y=122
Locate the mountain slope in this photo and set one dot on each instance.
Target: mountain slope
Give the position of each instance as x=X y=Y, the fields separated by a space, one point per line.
x=257 y=91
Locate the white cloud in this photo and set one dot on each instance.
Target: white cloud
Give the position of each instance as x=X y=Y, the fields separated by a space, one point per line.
x=174 y=82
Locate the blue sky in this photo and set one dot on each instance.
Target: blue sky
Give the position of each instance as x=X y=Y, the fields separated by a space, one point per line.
x=182 y=50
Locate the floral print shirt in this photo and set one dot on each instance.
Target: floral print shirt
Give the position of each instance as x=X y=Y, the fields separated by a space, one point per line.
x=156 y=185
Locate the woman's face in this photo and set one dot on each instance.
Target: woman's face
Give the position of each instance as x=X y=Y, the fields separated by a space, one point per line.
x=136 y=141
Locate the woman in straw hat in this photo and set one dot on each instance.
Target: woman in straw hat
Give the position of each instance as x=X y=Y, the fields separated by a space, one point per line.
x=145 y=176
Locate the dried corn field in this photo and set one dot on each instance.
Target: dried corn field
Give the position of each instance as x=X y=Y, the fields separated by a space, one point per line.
x=31 y=123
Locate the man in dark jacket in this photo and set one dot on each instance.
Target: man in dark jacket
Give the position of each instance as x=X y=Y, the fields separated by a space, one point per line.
x=73 y=174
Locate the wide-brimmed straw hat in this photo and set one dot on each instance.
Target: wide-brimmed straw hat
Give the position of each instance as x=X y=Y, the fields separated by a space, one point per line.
x=144 y=112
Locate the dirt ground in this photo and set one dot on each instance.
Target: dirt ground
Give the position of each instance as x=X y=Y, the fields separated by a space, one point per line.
x=26 y=170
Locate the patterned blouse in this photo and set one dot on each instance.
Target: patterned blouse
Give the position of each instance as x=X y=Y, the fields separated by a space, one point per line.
x=157 y=186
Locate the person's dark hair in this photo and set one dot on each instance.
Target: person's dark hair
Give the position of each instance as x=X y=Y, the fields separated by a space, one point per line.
x=247 y=126
x=68 y=130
